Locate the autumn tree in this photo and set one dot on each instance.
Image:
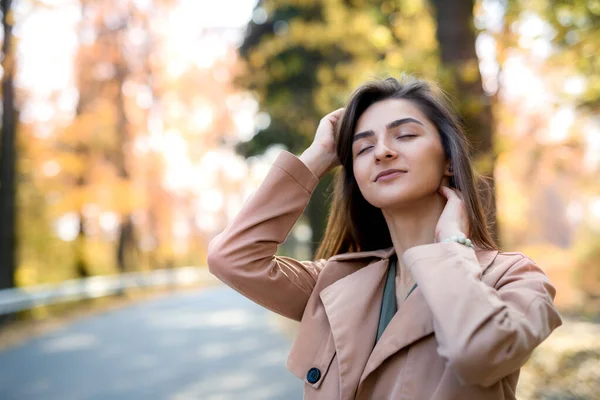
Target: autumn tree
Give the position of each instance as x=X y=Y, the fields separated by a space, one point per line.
x=562 y=170
x=456 y=35
x=121 y=68
x=8 y=155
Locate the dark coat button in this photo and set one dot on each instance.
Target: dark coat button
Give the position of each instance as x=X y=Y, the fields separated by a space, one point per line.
x=313 y=375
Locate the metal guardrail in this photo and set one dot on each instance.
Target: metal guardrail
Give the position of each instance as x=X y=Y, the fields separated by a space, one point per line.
x=19 y=299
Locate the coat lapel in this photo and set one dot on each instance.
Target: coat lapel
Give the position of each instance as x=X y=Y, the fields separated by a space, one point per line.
x=352 y=305
x=411 y=322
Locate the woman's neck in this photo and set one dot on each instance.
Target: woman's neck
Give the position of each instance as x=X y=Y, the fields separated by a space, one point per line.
x=414 y=225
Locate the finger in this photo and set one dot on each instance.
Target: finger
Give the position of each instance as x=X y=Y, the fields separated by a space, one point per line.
x=337 y=113
x=335 y=116
x=457 y=192
x=449 y=193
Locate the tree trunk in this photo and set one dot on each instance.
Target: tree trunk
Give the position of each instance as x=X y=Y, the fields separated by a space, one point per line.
x=8 y=157
x=456 y=37
x=82 y=268
x=127 y=242
x=82 y=150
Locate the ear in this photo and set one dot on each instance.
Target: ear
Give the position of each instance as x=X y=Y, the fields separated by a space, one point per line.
x=448 y=169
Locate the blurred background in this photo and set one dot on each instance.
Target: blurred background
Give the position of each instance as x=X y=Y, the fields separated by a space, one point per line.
x=133 y=131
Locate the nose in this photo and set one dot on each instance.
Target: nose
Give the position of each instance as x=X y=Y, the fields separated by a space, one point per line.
x=383 y=151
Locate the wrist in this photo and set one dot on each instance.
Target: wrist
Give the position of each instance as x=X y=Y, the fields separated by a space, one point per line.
x=315 y=162
x=458 y=238
x=449 y=231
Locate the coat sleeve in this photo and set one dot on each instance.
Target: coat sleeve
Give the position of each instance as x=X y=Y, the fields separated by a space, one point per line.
x=243 y=255
x=485 y=333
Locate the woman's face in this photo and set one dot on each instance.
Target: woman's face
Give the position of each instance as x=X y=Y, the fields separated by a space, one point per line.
x=393 y=136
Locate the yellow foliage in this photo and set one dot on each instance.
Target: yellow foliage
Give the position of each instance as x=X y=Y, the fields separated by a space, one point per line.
x=402 y=31
x=71 y=201
x=100 y=256
x=425 y=40
x=115 y=194
x=72 y=164
x=324 y=74
x=381 y=37
x=469 y=71
x=512 y=202
x=26 y=275
x=257 y=59
x=594 y=6
x=120 y=196
x=411 y=7
x=387 y=7
x=394 y=59
x=483 y=164
x=361 y=24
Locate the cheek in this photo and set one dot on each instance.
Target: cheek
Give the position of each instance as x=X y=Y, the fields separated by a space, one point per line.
x=427 y=177
x=359 y=173
x=432 y=170
x=363 y=176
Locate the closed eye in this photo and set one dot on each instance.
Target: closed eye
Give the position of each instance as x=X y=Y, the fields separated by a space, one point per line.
x=399 y=137
x=363 y=150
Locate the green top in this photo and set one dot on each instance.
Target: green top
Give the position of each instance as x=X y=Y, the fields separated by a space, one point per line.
x=388 y=302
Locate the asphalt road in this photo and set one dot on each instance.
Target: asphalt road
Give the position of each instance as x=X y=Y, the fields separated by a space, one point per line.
x=211 y=345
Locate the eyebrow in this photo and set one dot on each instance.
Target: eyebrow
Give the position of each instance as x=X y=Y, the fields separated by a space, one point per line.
x=391 y=125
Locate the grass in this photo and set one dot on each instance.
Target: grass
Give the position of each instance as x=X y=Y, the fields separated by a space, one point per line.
x=566 y=366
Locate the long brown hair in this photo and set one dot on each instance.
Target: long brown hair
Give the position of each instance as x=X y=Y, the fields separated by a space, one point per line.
x=354 y=224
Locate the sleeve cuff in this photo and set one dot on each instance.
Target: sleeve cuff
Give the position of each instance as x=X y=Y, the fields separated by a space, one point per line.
x=416 y=255
x=297 y=170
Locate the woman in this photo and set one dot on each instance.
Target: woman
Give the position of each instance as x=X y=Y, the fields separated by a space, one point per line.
x=409 y=297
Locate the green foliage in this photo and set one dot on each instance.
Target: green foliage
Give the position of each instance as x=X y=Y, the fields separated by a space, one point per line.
x=307 y=57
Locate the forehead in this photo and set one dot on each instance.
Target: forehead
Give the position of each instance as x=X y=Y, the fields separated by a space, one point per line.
x=379 y=114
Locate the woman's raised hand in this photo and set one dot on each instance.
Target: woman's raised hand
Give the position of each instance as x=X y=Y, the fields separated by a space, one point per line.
x=320 y=157
x=454 y=219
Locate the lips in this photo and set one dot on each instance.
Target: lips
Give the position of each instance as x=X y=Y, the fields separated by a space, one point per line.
x=388 y=174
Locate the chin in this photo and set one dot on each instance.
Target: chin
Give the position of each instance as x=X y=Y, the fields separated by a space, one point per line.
x=389 y=201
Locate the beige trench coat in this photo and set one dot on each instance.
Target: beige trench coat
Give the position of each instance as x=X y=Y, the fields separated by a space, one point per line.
x=462 y=334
